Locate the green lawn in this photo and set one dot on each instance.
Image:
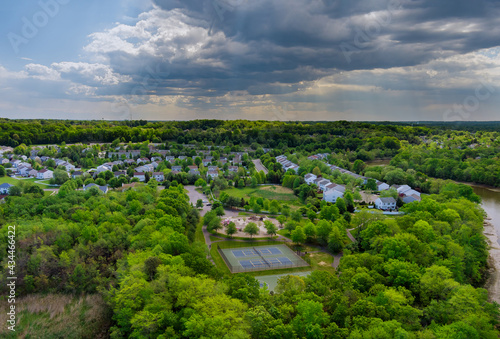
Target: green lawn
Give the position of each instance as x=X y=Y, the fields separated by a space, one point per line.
x=266 y=192
x=13 y=181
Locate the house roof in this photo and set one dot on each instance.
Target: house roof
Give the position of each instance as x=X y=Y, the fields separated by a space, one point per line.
x=388 y=200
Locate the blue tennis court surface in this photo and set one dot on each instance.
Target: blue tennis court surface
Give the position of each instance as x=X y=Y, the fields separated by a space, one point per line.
x=253 y=263
x=259 y=258
x=244 y=253
x=279 y=261
x=269 y=250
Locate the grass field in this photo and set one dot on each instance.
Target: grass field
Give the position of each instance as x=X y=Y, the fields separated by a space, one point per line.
x=13 y=181
x=266 y=192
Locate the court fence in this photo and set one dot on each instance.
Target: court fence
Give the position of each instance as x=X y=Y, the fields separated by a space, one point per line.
x=296 y=262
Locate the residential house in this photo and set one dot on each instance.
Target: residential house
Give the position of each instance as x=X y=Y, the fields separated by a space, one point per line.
x=76 y=174
x=104 y=189
x=177 y=168
x=309 y=178
x=382 y=186
x=159 y=176
x=323 y=183
x=233 y=169
x=140 y=175
x=332 y=195
x=388 y=203
x=213 y=174
x=4 y=188
x=118 y=173
x=33 y=173
x=45 y=174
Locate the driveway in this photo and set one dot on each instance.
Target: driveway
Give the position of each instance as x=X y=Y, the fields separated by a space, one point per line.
x=194 y=195
x=259 y=167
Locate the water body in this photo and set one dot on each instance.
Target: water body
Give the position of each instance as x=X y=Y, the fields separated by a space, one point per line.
x=491 y=205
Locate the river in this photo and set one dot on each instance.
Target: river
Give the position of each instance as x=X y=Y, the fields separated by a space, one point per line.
x=491 y=205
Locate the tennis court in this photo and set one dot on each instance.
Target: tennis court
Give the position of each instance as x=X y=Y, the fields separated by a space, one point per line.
x=258 y=258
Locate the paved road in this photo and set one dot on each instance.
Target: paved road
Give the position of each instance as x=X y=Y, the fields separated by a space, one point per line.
x=194 y=195
x=259 y=167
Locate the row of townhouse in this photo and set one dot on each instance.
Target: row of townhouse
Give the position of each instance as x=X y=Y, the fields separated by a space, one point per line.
x=331 y=191
x=407 y=194
x=206 y=160
x=158 y=176
x=287 y=164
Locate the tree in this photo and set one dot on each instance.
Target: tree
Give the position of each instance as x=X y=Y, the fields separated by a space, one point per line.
x=251 y=229
x=271 y=228
x=2 y=171
x=316 y=171
x=200 y=183
x=371 y=184
x=341 y=205
x=59 y=177
x=358 y=166
x=231 y=229
x=254 y=182
x=298 y=236
x=311 y=215
x=15 y=191
x=310 y=230
x=256 y=208
x=199 y=203
x=335 y=241
x=281 y=219
x=296 y=216
x=220 y=211
x=323 y=230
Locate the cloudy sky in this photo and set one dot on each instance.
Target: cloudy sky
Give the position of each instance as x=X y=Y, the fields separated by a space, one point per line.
x=403 y=60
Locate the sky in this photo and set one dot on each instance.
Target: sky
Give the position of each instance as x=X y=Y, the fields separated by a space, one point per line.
x=364 y=60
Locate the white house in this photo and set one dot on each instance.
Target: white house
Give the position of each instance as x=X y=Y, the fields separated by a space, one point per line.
x=4 y=188
x=45 y=174
x=388 y=203
x=323 y=183
x=140 y=176
x=159 y=176
x=403 y=188
x=32 y=173
x=23 y=170
x=103 y=168
x=382 y=186
x=309 y=178
x=233 y=168
x=213 y=174
x=332 y=195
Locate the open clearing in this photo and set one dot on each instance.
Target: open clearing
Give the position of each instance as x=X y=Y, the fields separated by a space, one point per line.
x=266 y=192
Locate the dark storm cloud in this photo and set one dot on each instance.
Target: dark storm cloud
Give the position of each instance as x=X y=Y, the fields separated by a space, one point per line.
x=273 y=47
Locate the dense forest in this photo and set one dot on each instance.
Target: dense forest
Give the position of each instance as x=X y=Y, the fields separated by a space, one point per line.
x=415 y=276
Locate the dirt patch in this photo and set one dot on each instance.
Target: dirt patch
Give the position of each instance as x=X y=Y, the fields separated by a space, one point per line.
x=322 y=263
